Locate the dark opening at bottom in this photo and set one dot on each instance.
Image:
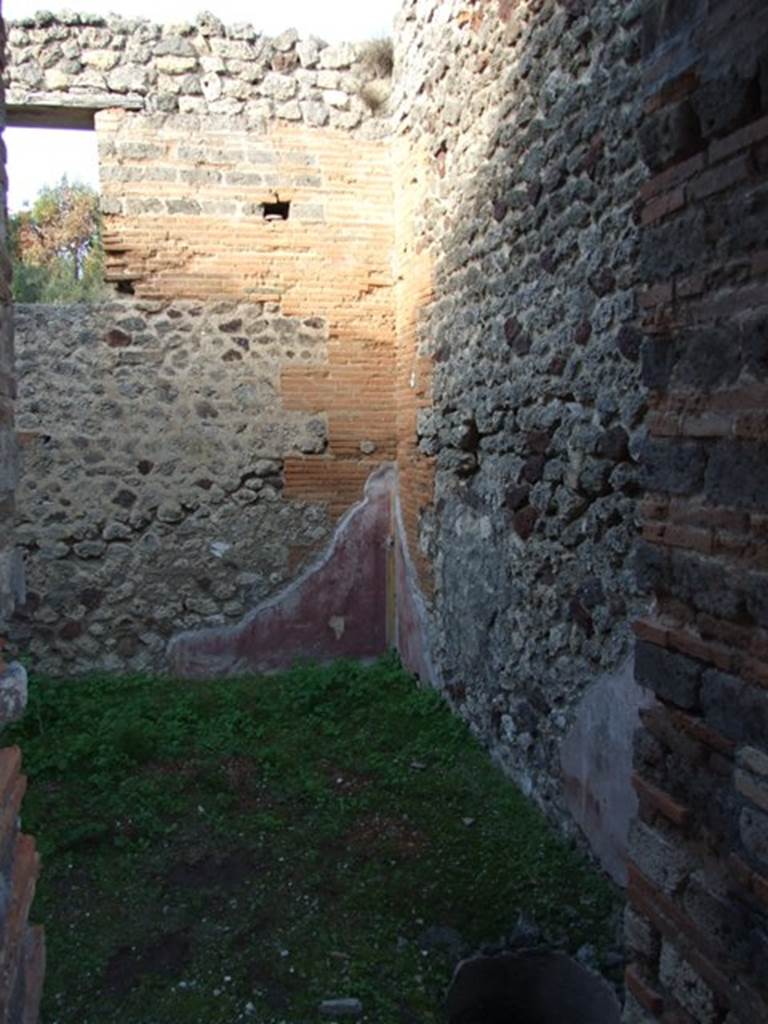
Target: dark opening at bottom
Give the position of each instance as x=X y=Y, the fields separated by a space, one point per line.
x=529 y=988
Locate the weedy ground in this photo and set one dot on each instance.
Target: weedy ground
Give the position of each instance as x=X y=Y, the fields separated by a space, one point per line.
x=241 y=850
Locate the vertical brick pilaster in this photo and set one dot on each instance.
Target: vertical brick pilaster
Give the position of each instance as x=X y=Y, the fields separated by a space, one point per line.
x=696 y=928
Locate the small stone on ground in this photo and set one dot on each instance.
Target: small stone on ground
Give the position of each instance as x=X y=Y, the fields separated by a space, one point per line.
x=341 y=1008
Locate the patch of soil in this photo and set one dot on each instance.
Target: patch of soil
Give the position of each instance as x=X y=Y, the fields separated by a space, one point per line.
x=72 y=885
x=345 y=782
x=187 y=769
x=126 y=828
x=167 y=956
x=212 y=872
x=244 y=777
x=259 y=928
x=408 y=1016
x=374 y=833
x=241 y=771
x=276 y=992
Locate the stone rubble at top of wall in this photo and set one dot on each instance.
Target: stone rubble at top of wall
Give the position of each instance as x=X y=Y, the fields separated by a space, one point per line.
x=22 y=945
x=201 y=67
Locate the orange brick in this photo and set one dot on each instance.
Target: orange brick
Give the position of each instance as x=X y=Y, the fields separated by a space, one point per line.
x=659 y=801
x=648 y=997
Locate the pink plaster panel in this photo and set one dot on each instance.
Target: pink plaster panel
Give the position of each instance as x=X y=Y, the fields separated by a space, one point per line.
x=335 y=609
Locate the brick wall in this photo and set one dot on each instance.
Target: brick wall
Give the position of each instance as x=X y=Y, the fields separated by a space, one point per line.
x=579 y=224
x=697 y=927
x=198 y=125
x=233 y=338
x=22 y=946
x=154 y=442
x=199 y=233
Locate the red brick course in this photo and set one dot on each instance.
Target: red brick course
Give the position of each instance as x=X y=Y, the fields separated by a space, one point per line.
x=340 y=188
x=22 y=945
x=704 y=531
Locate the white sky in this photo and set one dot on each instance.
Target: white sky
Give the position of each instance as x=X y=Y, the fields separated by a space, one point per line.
x=40 y=157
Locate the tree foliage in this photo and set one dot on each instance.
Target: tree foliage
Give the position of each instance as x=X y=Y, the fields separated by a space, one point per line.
x=56 y=246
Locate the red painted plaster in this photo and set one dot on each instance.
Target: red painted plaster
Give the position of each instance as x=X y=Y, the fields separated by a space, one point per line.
x=335 y=609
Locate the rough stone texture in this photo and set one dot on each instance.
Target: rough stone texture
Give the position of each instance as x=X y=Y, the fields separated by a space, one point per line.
x=59 y=64
x=340 y=191
x=154 y=448
x=22 y=945
x=13 y=692
x=11 y=583
x=579 y=224
x=341 y=1008
x=520 y=410
x=698 y=887
x=208 y=428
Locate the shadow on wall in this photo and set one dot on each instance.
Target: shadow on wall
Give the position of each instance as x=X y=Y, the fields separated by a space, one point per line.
x=526 y=116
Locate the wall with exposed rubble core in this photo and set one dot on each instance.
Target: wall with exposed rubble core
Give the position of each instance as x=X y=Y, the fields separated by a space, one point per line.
x=10 y=575
x=521 y=408
x=510 y=400
x=698 y=877
x=64 y=63
x=190 y=447
x=539 y=287
x=22 y=944
x=154 y=446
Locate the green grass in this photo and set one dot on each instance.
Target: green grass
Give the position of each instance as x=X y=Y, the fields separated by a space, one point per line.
x=241 y=850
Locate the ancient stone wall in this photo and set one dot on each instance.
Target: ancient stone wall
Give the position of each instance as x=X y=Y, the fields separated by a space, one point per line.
x=698 y=886
x=59 y=64
x=186 y=221
x=243 y=376
x=184 y=188
x=519 y=475
x=154 y=443
x=575 y=314
x=10 y=576
x=22 y=945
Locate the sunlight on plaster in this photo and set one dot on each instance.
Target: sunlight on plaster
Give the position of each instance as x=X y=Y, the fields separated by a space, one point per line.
x=41 y=156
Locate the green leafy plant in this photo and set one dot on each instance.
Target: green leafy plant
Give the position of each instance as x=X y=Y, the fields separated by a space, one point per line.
x=56 y=249
x=377 y=60
x=378 y=57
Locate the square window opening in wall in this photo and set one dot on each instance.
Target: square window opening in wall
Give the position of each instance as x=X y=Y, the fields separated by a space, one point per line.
x=54 y=205
x=276 y=209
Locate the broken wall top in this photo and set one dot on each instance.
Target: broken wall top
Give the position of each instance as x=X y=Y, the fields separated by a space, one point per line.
x=64 y=68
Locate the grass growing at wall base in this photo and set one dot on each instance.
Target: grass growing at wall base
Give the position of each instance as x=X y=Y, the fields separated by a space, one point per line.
x=241 y=850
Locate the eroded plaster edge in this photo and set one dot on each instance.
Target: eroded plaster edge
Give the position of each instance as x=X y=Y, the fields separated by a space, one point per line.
x=419 y=661
x=381 y=481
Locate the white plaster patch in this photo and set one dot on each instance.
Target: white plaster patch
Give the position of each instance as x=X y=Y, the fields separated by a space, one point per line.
x=337 y=624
